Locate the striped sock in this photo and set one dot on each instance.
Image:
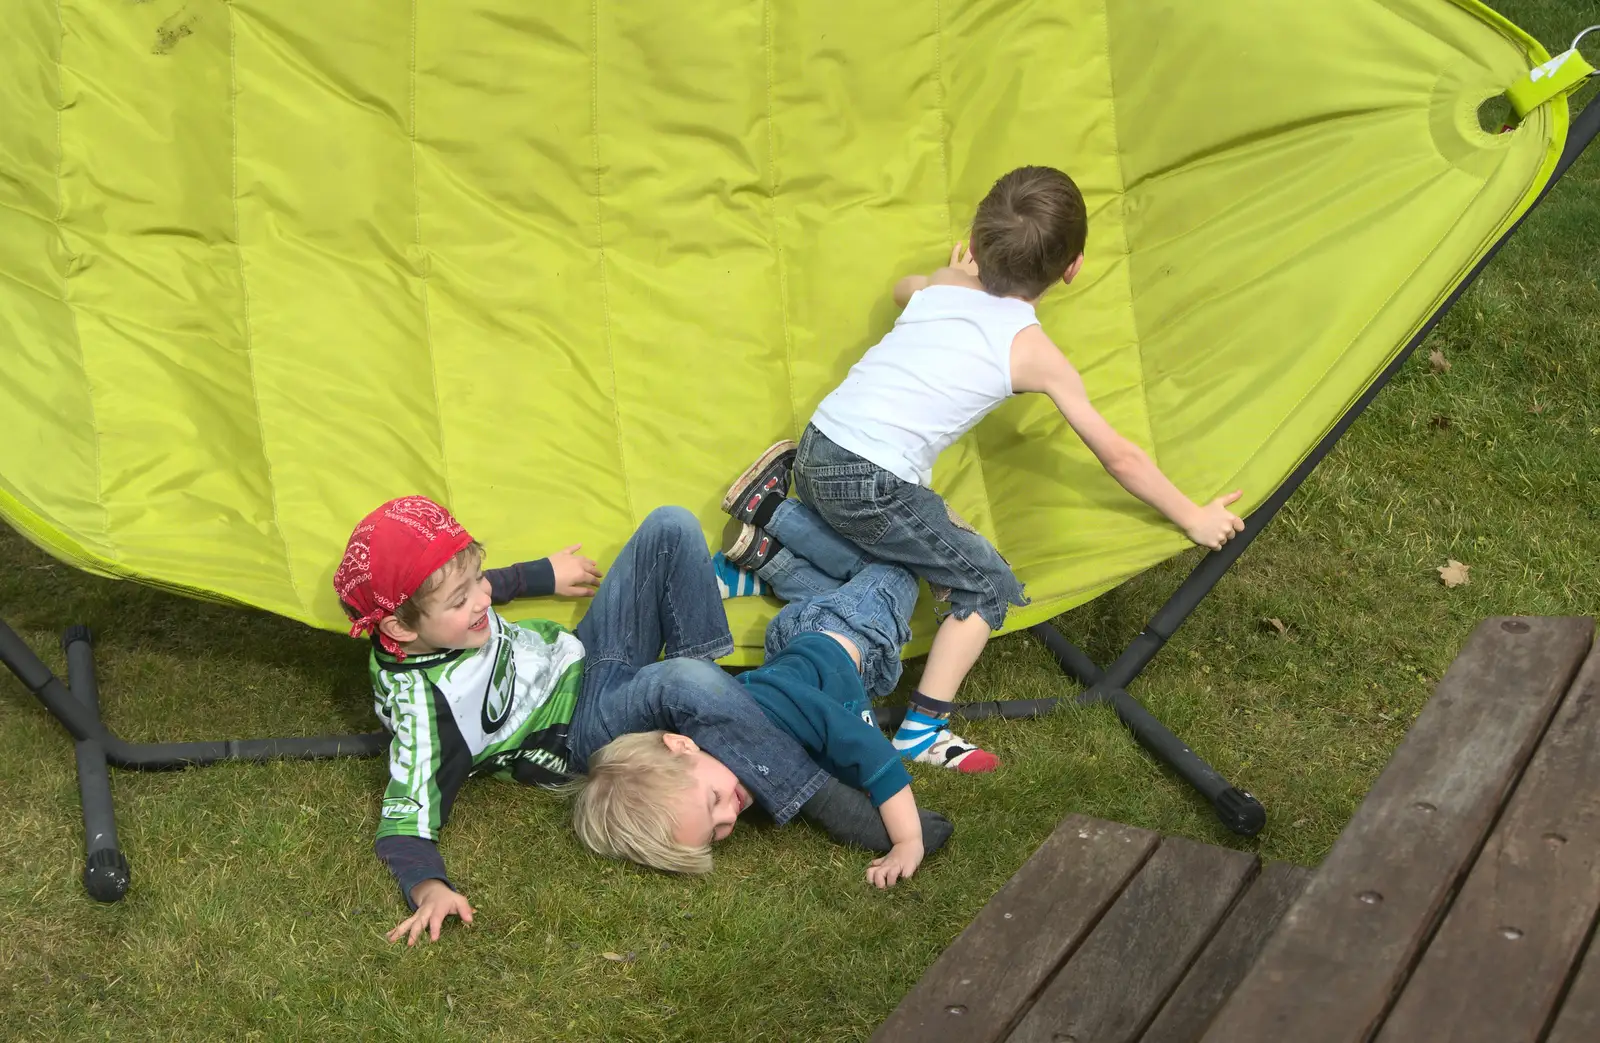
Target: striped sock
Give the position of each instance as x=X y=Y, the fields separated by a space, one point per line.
x=923 y=738
x=918 y=731
x=734 y=582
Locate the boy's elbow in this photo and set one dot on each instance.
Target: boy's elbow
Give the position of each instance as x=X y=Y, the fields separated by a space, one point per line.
x=1125 y=461
x=906 y=287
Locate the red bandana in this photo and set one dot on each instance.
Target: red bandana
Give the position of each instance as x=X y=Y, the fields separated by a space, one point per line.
x=391 y=552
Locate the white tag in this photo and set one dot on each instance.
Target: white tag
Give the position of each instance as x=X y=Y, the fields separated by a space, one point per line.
x=1551 y=67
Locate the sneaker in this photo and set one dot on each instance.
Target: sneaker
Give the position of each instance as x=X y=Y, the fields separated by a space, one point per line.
x=752 y=548
x=767 y=477
x=950 y=750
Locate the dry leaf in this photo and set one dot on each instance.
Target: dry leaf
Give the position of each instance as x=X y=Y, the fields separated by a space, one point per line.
x=1537 y=407
x=1439 y=421
x=616 y=957
x=1453 y=573
x=1438 y=362
x=1278 y=625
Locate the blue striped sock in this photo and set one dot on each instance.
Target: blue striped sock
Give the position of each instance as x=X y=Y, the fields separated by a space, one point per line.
x=917 y=732
x=734 y=582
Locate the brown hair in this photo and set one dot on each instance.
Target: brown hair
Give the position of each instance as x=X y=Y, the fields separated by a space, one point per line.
x=412 y=609
x=1028 y=231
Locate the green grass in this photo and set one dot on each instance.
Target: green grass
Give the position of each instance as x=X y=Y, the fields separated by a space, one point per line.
x=257 y=910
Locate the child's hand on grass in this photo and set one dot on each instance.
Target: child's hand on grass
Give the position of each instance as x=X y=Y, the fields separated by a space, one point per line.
x=901 y=861
x=436 y=903
x=576 y=576
x=1213 y=525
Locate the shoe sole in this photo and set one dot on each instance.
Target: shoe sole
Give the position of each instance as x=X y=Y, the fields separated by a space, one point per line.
x=741 y=543
x=740 y=488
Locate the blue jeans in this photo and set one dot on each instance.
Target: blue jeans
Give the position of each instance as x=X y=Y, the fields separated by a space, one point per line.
x=904 y=524
x=832 y=586
x=660 y=597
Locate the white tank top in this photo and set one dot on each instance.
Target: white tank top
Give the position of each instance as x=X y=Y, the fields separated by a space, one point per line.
x=943 y=367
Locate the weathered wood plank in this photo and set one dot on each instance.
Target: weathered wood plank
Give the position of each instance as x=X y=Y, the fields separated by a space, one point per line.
x=1496 y=967
x=986 y=977
x=1111 y=987
x=1329 y=971
x=1579 y=1020
x=1222 y=964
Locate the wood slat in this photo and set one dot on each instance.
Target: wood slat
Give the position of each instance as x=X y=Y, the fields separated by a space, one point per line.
x=1328 y=973
x=1231 y=951
x=1496 y=967
x=1112 y=986
x=978 y=985
x=1579 y=1020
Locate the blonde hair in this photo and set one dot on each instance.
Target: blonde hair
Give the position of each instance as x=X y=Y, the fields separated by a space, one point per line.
x=624 y=808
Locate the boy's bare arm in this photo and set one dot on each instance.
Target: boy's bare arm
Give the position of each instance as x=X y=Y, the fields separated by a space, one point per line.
x=906 y=287
x=1037 y=365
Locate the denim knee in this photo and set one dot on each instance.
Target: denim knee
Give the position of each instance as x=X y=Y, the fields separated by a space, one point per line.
x=690 y=680
x=673 y=523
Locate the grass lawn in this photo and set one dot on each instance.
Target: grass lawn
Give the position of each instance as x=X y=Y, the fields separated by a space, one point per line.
x=257 y=909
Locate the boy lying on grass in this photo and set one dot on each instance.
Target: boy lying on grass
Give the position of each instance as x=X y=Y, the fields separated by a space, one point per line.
x=657 y=799
x=464 y=692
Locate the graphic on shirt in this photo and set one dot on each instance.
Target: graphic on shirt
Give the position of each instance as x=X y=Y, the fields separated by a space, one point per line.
x=497 y=695
x=400 y=807
x=503 y=709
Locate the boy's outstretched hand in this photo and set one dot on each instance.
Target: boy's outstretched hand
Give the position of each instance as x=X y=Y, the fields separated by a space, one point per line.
x=436 y=903
x=576 y=576
x=1214 y=524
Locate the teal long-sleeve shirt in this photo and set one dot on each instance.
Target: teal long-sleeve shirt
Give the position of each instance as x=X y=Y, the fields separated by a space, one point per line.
x=812 y=691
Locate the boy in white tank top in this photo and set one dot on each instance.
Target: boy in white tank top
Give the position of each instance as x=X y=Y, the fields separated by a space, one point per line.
x=967 y=340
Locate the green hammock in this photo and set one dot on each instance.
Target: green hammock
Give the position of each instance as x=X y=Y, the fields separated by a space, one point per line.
x=265 y=265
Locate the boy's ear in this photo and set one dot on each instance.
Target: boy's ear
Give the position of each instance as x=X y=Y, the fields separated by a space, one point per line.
x=678 y=743
x=1073 y=269
x=396 y=631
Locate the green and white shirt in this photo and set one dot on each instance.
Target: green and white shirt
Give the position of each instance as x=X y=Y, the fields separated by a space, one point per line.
x=502 y=709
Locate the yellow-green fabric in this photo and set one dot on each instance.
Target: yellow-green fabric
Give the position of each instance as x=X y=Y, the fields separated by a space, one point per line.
x=264 y=264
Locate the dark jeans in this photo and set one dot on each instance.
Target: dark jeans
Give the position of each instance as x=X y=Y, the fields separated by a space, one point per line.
x=832 y=586
x=660 y=597
x=904 y=524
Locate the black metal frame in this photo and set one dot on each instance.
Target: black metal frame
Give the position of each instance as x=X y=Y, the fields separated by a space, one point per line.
x=106 y=873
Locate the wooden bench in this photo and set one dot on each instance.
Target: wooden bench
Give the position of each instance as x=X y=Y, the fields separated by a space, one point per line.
x=1458 y=903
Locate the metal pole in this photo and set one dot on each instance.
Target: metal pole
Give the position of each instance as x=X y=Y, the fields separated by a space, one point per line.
x=106 y=873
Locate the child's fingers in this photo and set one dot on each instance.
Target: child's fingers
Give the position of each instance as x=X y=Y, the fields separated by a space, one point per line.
x=955 y=255
x=575 y=548
x=1230 y=498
